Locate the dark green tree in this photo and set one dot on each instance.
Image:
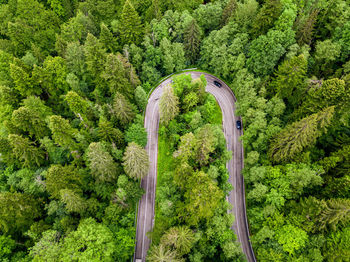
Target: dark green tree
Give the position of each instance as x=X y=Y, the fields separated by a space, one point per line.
x=192 y=41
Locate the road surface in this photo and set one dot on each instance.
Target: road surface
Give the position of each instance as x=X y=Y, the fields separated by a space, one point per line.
x=145 y=217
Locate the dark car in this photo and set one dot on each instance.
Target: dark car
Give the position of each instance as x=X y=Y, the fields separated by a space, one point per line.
x=217 y=84
x=239 y=124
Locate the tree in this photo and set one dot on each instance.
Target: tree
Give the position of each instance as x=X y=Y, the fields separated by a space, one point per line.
x=292 y=238
x=78 y=105
x=130 y=30
x=201 y=198
x=206 y=143
x=168 y=105
x=208 y=16
x=26 y=151
x=289 y=82
x=122 y=109
x=162 y=254
x=228 y=12
x=337 y=211
x=141 y=98
x=136 y=161
x=266 y=50
x=108 y=133
x=17 y=212
x=48 y=248
x=107 y=39
x=74 y=203
x=266 y=17
x=90 y=242
x=115 y=76
x=60 y=177
x=101 y=163
x=295 y=137
x=52 y=76
x=95 y=57
x=7 y=245
x=136 y=133
x=192 y=41
x=186 y=148
x=181 y=239
x=62 y=132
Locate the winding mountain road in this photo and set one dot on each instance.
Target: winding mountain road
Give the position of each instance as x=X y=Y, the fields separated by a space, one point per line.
x=236 y=197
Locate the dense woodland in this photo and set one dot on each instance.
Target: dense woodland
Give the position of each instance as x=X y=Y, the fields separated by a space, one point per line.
x=74 y=81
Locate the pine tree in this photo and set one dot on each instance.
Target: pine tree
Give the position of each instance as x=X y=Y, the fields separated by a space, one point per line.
x=130 y=30
x=192 y=41
x=62 y=132
x=26 y=151
x=115 y=76
x=60 y=177
x=299 y=135
x=136 y=161
x=101 y=163
x=181 y=239
x=206 y=142
x=168 y=105
x=95 y=57
x=305 y=28
x=107 y=39
x=336 y=212
x=122 y=109
x=108 y=133
x=228 y=12
x=161 y=253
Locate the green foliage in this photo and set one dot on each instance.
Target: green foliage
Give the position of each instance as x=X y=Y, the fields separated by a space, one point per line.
x=130 y=27
x=192 y=41
x=7 y=245
x=292 y=238
x=62 y=132
x=294 y=138
x=26 y=151
x=168 y=105
x=136 y=161
x=17 y=212
x=101 y=163
x=136 y=133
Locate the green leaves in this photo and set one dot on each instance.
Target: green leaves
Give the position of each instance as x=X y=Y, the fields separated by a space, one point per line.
x=136 y=161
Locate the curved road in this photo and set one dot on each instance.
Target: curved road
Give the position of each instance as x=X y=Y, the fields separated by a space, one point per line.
x=145 y=218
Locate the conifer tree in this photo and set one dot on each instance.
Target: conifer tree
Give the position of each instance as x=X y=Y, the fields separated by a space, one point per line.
x=136 y=161
x=108 y=133
x=123 y=109
x=179 y=238
x=289 y=82
x=17 y=212
x=295 y=137
x=192 y=41
x=107 y=39
x=101 y=163
x=62 y=132
x=160 y=253
x=337 y=211
x=26 y=151
x=130 y=30
x=228 y=11
x=168 y=105
x=95 y=57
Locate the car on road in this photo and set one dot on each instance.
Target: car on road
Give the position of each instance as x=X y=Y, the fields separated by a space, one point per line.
x=218 y=84
x=239 y=124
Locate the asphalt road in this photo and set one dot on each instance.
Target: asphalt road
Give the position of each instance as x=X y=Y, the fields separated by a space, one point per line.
x=145 y=217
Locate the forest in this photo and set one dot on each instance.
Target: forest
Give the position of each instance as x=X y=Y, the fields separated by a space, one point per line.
x=75 y=77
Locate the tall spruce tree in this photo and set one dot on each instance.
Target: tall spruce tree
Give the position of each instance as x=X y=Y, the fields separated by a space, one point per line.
x=130 y=30
x=192 y=41
x=168 y=105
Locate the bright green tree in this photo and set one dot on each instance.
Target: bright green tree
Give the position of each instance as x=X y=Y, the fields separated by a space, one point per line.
x=292 y=238
x=130 y=30
x=181 y=239
x=101 y=163
x=136 y=133
x=168 y=105
x=62 y=132
x=26 y=151
x=136 y=161
x=60 y=177
x=123 y=109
